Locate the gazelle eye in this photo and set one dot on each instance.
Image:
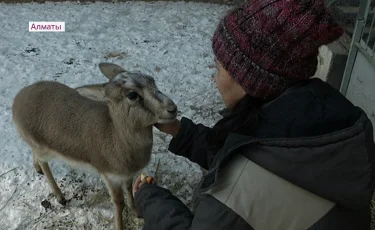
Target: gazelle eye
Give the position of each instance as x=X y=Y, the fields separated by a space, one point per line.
x=132 y=95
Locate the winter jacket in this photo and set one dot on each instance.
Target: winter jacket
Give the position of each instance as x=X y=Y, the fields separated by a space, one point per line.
x=309 y=166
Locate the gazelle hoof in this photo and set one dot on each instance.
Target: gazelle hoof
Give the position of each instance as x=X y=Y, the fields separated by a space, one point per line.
x=62 y=201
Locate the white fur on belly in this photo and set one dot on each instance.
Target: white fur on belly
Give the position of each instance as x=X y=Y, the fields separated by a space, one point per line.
x=120 y=179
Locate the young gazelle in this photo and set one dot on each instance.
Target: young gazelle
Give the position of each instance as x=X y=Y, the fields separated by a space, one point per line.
x=111 y=133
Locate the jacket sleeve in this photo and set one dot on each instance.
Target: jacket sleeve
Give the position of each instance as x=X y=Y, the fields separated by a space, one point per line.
x=159 y=207
x=190 y=142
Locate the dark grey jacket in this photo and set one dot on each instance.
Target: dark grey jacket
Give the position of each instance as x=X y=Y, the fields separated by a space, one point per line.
x=309 y=166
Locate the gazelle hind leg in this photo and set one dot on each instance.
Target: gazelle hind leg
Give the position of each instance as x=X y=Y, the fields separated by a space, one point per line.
x=117 y=197
x=51 y=181
x=36 y=164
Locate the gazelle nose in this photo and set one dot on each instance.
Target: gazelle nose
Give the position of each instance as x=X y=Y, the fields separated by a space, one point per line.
x=172 y=110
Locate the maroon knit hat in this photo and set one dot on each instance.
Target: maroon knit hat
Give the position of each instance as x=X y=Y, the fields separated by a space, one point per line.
x=268 y=45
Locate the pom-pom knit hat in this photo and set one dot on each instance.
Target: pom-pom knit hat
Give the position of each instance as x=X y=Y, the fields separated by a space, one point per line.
x=269 y=45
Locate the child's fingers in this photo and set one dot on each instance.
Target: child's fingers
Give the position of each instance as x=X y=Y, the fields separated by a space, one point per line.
x=143 y=176
x=138 y=181
x=149 y=179
x=142 y=179
x=136 y=185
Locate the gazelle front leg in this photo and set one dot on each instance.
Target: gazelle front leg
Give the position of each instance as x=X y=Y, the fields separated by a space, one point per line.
x=129 y=195
x=117 y=197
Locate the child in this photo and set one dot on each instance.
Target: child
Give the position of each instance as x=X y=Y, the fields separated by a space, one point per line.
x=290 y=152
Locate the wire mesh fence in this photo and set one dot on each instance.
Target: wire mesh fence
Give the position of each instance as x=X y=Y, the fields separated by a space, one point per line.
x=347 y=12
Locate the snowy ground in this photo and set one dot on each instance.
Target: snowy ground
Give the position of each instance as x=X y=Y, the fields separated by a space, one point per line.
x=170 y=41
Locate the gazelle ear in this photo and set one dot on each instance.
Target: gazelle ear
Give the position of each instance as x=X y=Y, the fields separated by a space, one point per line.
x=94 y=92
x=110 y=70
x=124 y=83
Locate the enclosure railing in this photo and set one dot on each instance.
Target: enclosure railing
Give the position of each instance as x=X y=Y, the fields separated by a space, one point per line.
x=362 y=39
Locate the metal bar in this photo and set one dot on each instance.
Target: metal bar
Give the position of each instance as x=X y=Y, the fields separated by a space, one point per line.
x=364 y=7
x=370 y=31
x=366 y=51
x=357 y=35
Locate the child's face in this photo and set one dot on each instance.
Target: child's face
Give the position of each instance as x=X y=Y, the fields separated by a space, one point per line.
x=230 y=90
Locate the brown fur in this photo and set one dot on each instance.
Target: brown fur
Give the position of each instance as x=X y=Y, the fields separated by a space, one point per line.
x=94 y=125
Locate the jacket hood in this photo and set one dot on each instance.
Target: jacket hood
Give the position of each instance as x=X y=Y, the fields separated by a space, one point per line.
x=337 y=166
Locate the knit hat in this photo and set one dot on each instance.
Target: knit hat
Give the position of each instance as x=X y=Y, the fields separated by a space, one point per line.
x=269 y=45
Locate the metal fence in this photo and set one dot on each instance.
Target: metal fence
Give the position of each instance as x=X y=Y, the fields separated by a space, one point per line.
x=367 y=42
x=345 y=12
x=357 y=18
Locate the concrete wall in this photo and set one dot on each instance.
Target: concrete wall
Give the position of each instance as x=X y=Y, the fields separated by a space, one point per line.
x=361 y=91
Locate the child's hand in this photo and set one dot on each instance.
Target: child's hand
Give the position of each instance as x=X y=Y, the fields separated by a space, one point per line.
x=141 y=180
x=170 y=128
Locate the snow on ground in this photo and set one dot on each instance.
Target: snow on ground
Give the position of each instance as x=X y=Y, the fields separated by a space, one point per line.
x=170 y=41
